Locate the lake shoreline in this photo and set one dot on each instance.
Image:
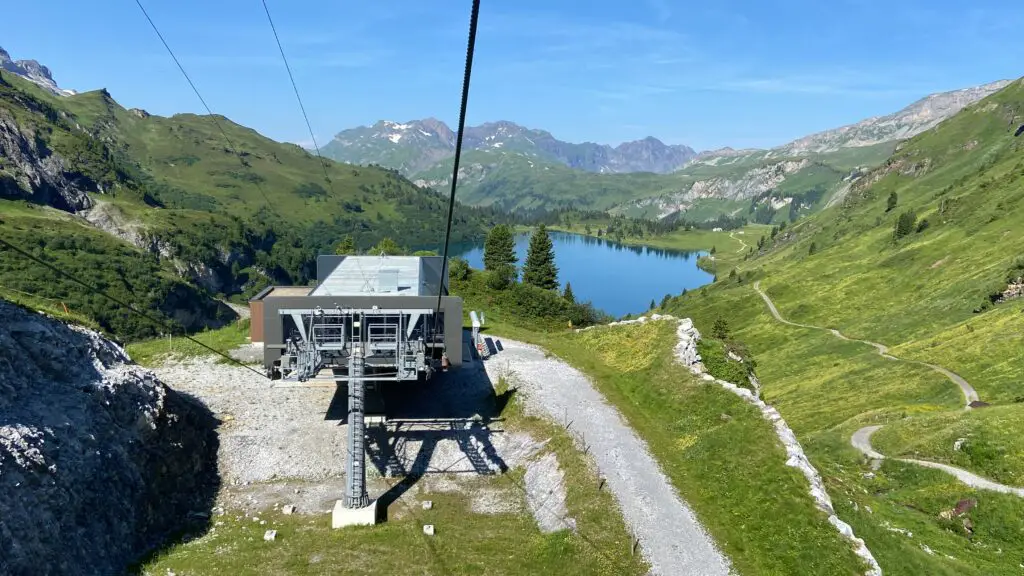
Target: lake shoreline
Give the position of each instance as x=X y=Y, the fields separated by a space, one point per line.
x=616 y=277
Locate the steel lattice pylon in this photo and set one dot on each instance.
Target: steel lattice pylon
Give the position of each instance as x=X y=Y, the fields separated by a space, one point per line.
x=355 y=468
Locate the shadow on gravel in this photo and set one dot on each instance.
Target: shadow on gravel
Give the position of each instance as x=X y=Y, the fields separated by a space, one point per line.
x=460 y=406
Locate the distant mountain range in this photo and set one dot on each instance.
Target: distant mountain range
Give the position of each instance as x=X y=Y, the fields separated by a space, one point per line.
x=32 y=71
x=509 y=166
x=417 y=145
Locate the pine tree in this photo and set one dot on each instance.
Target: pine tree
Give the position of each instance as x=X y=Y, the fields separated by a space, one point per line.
x=891 y=203
x=568 y=295
x=499 y=248
x=720 y=329
x=346 y=247
x=539 y=269
x=904 y=224
x=653 y=304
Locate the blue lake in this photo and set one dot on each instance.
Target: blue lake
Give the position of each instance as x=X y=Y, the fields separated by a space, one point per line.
x=616 y=278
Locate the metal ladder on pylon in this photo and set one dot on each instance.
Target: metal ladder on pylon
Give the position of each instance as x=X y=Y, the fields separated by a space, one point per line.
x=355 y=468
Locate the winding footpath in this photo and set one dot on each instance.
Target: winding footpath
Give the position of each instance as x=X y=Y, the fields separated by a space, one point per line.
x=861 y=439
x=970 y=395
x=740 y=240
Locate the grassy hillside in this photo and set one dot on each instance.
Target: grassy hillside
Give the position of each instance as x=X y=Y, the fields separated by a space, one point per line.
x=927 y=296
x=194 y=216
x=512 y=181
x=717 y=451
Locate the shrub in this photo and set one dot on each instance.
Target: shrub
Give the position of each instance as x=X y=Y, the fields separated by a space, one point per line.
x=459 y=269
x=713 y=355
x=502 y=277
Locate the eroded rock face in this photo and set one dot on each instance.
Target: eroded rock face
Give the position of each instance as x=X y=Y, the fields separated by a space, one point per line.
x=39 y=174
x=99 y=460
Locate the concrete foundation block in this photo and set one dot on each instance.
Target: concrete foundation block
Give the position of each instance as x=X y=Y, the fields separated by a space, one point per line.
x=342 y=516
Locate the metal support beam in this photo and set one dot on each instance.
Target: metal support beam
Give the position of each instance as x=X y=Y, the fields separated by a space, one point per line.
x=355 y=481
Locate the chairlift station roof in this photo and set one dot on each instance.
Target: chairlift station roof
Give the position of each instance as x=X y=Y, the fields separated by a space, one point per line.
x=378 y=276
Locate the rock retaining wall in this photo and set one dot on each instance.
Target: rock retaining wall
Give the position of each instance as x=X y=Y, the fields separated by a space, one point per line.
x=687 y=355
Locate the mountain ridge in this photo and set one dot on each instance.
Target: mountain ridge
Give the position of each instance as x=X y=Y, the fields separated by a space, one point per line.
x=394 y=144
x=34 y=72
x=512 y=167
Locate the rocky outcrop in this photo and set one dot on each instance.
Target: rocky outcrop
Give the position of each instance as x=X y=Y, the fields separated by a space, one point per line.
x=112 y=220
x=214 y=275
x=29 y=170
x=1014 y=290
x=743 y=185
x=99 y=460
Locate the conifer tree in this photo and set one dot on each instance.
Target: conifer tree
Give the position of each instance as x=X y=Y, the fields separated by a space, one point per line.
x=540 y=269
x=346 y=247
x=499 y=248
x=568 y=295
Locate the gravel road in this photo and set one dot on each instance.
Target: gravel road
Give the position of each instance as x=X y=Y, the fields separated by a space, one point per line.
x=968 y=391
x=671 y=538
x=861 y=440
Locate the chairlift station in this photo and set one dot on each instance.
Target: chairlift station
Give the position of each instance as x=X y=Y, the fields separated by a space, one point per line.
x=370 y=321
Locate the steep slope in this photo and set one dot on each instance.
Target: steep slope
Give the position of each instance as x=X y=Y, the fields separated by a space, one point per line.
x=185 y=210
x=417 y=145
x=906 y=123
x=938 y=289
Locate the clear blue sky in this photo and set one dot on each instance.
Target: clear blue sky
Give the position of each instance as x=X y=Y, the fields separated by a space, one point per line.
x=727 y=73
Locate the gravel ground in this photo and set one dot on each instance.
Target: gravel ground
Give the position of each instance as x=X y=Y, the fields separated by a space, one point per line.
x=268 y=432
x=251 y=353
x=287 y=445
x=671 y=539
